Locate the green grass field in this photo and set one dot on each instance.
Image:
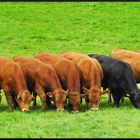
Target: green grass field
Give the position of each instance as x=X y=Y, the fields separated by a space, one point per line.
x=90 y=27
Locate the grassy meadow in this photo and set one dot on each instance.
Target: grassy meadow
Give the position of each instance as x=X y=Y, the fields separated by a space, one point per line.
x=27 y=28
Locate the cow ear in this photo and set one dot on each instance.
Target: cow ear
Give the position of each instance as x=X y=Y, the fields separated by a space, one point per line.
x=128 y=96
x=23 y=100
x=67 y=92
x=33 y=98
x=18 y=97
x=85 y=90
x=105 y=91
x=50 y=94
x=83 y=95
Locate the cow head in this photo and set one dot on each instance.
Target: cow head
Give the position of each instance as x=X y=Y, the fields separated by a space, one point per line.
x=23 y=99
x=74 y=99
x=135 y=98
x=93 y=96
x=59 y=97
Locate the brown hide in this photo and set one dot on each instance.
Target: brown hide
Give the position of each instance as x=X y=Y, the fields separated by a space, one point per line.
x=131 y=57
x=41 y=77
x=13 y=83
x=68 y=75
x=91 y=75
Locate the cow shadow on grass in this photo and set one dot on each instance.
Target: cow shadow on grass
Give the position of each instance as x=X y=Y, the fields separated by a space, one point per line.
x=4 y=108
x=106 y=105
x=52 y=107
x=38 y=108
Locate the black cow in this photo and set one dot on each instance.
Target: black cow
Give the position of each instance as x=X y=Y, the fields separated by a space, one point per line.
x=119 y=78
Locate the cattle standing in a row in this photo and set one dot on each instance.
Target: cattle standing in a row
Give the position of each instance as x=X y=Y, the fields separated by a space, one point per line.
x=42 y=78
x=13 y=83
x=90 y=75
x=70 y=71
x=119 y=78
x=68 y=75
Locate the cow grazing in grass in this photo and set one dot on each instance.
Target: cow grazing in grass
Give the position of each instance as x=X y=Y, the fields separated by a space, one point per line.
x=41 y=79
x=119 y=78
x=131 y=57
x=90 y=76
x=68 y=75
x=13 y=83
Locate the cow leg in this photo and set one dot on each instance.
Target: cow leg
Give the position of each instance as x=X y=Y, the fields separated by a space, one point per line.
x=0 y=98
x=80 y=100
x=69 y=104
x=87 y=102
x=0 y=95
x=81 y=91
x=15 y=103
x=40 y=92
x=8 y=98
x=122 y=100
x=109 y=97
x=34 y=101
x=48 y=102
x=116 y=99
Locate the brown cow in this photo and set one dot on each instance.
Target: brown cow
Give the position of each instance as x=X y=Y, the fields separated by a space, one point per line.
x=42 y=78
x=13 y=83
x=91 y=75
x=68 y=75
x=131 y=57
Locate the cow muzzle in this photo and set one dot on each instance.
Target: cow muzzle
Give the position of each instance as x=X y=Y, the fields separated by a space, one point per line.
x=25 y=110
x=94 y=109
x=75 y=112
x=60 y=109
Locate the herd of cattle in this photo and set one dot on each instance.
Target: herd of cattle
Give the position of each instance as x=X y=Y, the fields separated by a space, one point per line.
x=70 y=76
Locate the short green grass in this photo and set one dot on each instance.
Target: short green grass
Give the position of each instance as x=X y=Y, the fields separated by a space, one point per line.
x=91 y=27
